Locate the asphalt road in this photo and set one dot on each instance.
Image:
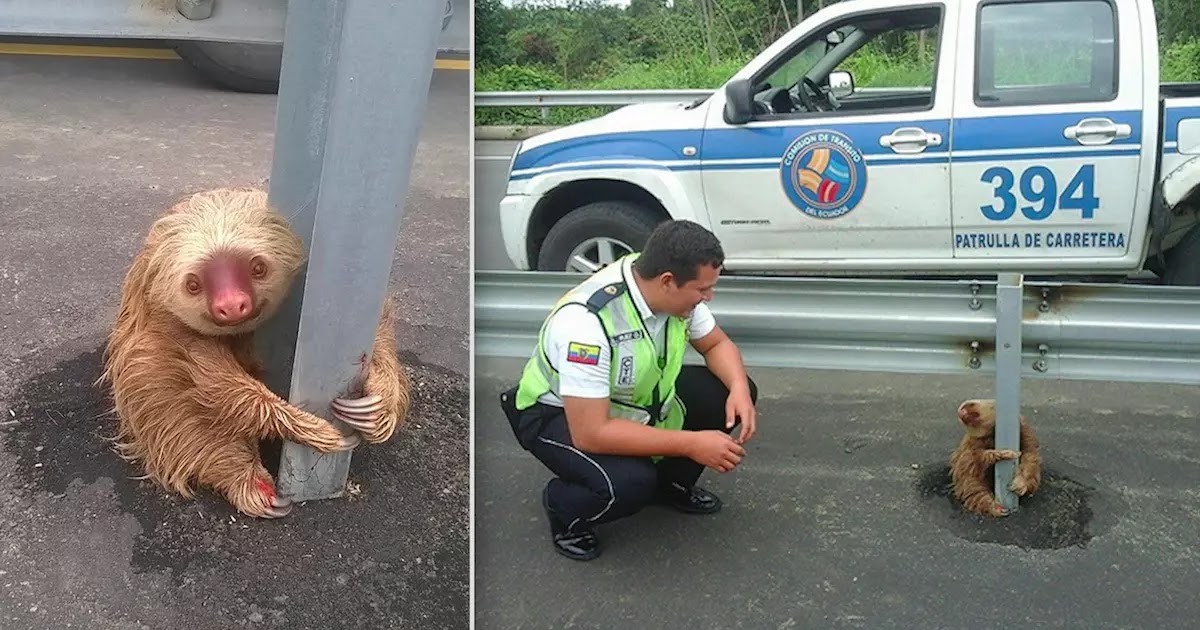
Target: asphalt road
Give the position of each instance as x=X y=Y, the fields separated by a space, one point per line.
x=90 y=151
x=839 y=517
x=491 y=169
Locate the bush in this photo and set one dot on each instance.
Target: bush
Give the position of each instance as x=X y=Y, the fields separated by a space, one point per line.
x=1181 y=62
x=881 y=64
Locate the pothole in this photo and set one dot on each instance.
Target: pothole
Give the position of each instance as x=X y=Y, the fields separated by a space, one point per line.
x=1062 y=514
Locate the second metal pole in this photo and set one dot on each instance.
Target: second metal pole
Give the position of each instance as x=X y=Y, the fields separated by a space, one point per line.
x=1009 y=303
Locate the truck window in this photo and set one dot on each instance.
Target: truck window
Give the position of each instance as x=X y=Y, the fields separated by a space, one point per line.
x=903 y=58
x=891 y=56
x=1045 y=51
x=790 y=73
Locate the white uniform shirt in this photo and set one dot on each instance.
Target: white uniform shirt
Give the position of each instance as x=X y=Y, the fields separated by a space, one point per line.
x=573 y=323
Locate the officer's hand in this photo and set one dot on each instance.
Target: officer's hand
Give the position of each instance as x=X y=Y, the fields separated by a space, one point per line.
x=716 y=450
x=739 y=405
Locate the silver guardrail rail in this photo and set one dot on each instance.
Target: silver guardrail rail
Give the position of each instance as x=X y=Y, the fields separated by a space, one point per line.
x=584 y=98
x=231 y=21
x=1072 y=331
x=545 y=100
x=589 y=98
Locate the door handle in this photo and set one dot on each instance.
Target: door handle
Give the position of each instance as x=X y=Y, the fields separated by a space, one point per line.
x=910 y=140
x=1091 y=131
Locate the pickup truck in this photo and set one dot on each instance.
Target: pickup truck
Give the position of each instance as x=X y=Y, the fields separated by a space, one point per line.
x=1040 y=140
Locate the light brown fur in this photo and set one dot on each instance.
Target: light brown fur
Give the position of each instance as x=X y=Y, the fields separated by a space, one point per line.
x=971 y=463
x=191 y=408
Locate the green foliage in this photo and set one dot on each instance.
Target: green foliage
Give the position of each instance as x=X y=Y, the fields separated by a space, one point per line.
x=699 y=44
x=874 y=67
x=1181 y=61
x=510 y=78
x=668 y=73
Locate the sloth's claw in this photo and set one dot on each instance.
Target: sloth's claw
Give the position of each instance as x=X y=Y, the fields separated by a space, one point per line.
x=359 y=404
x=361 y=417
x=348 y=442
x=277 y=512
x=361 y=425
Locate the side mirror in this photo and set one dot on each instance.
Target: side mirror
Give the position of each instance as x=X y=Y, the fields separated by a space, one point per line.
x=841 y=83
x=739 y=103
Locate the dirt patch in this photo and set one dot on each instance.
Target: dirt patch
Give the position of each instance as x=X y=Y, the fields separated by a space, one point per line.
x=395 y=552
x=1062 y=514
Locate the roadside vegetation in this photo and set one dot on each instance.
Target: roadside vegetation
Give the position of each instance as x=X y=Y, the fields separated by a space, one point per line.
x=695 y=44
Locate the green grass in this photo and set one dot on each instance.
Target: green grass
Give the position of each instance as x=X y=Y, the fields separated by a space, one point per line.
x=871 y=68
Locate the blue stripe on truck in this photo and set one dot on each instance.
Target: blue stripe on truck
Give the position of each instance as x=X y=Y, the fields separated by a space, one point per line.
x=1041 y=131
x=658 y=146
x=1171 y=119
x=996 y=133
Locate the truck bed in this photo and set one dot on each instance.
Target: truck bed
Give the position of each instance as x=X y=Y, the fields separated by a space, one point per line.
x=1179 y=90
x=1180 y=103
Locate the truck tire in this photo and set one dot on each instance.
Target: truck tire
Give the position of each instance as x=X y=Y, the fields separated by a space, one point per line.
x=242 y=67
x=246 y=67
x=614 y=228
x=1183 y=260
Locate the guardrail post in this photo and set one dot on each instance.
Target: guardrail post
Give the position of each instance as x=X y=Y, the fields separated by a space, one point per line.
x=353 y=90
x=1009 y=298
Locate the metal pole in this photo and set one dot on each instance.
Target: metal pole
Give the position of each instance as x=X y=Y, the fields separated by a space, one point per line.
x=1009 y=294
x=353 y=90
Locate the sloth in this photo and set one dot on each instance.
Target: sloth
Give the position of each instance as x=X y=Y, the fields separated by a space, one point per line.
x=971 y=463
x=180 y=360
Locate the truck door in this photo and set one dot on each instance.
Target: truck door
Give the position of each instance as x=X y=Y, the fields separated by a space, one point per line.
x=862 y=179
x=1046 y=154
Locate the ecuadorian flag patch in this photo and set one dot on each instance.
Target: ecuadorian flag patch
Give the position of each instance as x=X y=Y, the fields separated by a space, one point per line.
x=583 y=353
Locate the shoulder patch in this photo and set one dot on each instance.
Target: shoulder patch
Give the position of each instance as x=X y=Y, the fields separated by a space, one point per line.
x=604 y=295
x=584 y=353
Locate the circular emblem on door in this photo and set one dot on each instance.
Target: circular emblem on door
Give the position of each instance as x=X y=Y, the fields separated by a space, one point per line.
x=823 y=174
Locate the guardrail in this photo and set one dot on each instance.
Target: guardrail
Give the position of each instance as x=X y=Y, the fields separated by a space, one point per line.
x=243 y=21
x=1072 y=331
x=584 y=98
x=591 y=98
x=546 y=99
x=1007 y=328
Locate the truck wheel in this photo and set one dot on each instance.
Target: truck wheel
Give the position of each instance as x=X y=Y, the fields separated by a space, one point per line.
x=1183 y=260
x=241 y=67
x=596 y=234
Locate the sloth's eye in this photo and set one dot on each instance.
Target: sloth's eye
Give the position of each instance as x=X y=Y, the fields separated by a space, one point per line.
x=258 y=267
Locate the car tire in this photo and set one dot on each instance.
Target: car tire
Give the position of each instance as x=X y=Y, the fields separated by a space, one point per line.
x=624 y=225
x=241 y=67
x=250 y=68
x=1183 y=261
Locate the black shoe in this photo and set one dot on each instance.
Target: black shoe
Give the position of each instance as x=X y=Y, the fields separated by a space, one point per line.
x=694 y=500
x=580 y=545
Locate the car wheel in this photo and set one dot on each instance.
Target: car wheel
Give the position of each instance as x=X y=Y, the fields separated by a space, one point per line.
x=1183 y=260
x=241 y=67
x=587 y=239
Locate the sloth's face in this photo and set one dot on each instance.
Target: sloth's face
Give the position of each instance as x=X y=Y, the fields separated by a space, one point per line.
x=230 y=293
x=978 y=416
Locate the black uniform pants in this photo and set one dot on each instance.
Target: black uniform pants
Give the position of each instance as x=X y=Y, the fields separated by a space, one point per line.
x=592 y=488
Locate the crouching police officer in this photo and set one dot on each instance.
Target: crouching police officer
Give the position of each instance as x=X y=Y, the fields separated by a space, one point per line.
x=606 y=403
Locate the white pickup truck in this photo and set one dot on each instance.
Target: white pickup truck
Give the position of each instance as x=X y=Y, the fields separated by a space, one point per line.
x=1040 y=140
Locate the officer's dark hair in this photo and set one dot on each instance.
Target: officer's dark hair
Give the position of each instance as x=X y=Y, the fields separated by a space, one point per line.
x=680 y=247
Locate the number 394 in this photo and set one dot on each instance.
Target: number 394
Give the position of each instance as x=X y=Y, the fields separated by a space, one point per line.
x=1039 y=190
